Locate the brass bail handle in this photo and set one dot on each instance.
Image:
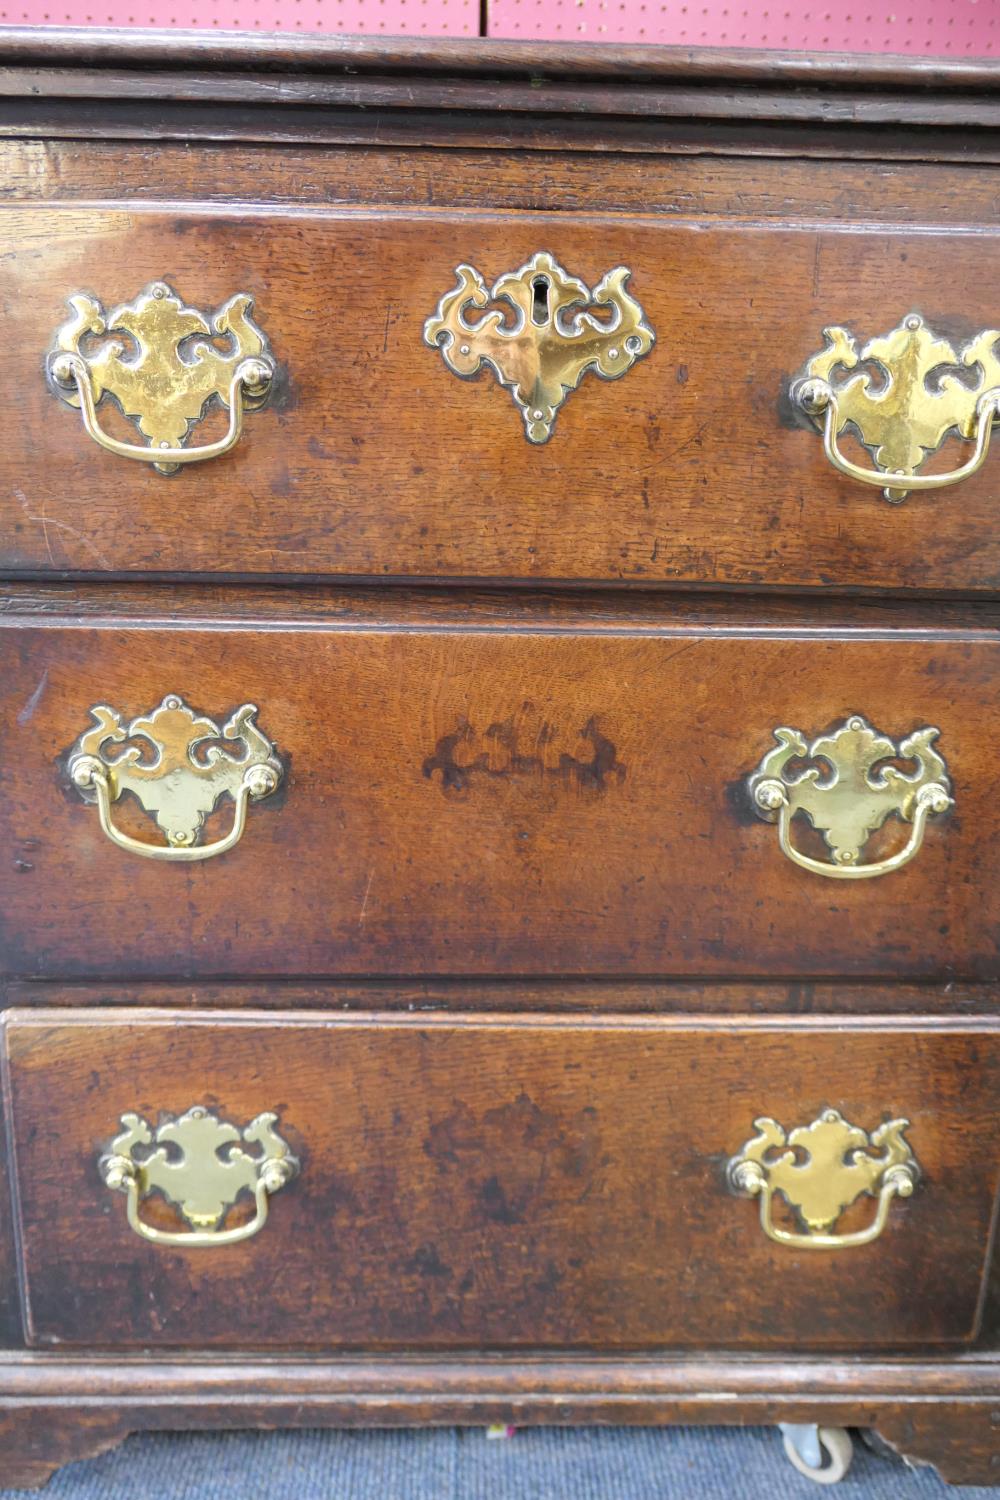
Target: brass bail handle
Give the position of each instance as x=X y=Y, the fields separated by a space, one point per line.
x=164 y=376
x=848 y=792
x=926 y=388
x=840 y=1165
x=197 y=1163
x=178 y=765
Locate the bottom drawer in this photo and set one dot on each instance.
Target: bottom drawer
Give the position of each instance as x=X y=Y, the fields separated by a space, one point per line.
x=502 y=1181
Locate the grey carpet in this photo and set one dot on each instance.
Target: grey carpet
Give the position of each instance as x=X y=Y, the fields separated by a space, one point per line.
x=540 y=1464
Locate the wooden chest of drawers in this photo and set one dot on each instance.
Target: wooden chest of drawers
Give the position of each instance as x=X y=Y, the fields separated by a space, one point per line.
x=499 y=818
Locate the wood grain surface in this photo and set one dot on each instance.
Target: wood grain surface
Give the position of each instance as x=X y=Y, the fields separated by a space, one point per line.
x=676 y=99
x=376 y=461
x=509 y=952
x=10 y=1310
x=734 y=188
x=580 y=997
x=95 y=49
x=53 y=1411
x=495 y=77
x=535 y=799
x=96 y=83
x=472 y=1182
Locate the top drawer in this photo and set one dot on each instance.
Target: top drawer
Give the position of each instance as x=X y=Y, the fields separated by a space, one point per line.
x=371 y=458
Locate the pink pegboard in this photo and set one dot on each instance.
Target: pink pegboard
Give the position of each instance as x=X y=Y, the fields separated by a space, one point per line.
x=948 y=28
x=962 y=28
x=378 y=17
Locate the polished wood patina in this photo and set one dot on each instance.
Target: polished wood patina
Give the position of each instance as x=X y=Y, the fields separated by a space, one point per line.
x=508 y=951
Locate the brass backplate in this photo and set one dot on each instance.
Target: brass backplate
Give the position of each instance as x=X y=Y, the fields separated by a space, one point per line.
x=197 y=1163
x=537 y=334
x=855 y=786
x=171 y=363
x=903 y=392
x=822 y=1168
x=176 y=762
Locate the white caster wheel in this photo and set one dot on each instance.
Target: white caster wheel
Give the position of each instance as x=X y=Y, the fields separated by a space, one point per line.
x=822 y=1454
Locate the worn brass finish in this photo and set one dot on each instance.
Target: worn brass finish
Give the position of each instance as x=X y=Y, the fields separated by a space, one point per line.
x=542 y=354
x=859 y=792
x=839 y=1166
x=163 y=376
x=197 y=1166
x=176 y=774
x=925 y=390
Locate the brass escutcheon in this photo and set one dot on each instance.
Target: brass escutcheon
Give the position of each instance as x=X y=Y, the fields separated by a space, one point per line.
x=542 y=352
x=195 y=1163
x=176 y=773
x=163 y=376
x=860 y=790
x=839 y=1166
x=923 y=392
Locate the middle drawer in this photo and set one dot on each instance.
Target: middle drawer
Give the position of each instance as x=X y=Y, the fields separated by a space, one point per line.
x=540 y=792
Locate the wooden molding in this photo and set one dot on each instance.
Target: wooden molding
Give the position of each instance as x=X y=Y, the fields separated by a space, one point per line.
x=946 y=1414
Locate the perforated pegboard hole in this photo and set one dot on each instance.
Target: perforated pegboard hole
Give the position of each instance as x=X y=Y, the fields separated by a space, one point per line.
x=966 y=28
x=381 y=17
x=962 y=28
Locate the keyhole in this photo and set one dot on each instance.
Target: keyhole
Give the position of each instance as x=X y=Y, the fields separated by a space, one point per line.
x=540 y=300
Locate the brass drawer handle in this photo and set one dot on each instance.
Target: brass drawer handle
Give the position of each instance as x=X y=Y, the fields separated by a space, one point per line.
x=901 y=419
x=859 y=791
x=197 y=1166
x=175 y=773
x=163 y=390
x=542 y=354
x=838 y=1168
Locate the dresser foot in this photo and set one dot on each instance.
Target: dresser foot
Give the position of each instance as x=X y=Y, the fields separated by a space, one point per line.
x=960 y=1440
x=36 y=1441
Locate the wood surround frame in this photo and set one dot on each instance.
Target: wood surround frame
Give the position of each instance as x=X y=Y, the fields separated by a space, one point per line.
x=491 y=100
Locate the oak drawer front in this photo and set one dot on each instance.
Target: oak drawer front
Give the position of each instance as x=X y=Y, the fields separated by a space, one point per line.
x=372 y=459
x=501 y=1181
x=551 y=799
